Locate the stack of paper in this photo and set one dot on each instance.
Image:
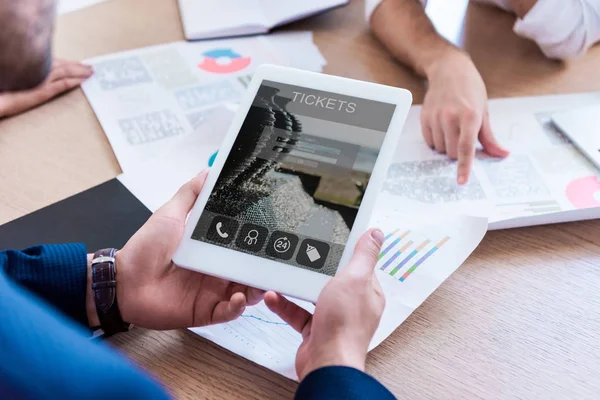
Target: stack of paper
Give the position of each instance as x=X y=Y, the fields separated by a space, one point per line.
x=205 y=19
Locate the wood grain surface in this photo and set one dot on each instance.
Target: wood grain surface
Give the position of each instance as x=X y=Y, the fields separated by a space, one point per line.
x=519 y=320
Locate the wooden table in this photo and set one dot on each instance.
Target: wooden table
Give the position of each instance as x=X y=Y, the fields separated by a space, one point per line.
x=521 y=318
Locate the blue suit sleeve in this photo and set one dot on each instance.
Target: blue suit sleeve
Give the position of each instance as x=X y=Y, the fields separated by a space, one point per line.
x=56 y=273
x=45 y=355
x=330 y=383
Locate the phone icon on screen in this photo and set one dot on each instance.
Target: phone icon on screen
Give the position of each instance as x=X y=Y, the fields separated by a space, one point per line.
x=220 y=232
x=222 y=229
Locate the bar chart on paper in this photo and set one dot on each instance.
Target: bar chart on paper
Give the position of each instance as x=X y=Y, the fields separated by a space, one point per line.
x=404 y=251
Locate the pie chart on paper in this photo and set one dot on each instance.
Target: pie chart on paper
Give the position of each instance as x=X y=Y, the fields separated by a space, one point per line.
x=584 y=192
x=223 y=61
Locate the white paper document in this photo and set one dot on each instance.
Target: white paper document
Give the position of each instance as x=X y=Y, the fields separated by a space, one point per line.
x=155 y=181
x=418 y=255
x=206 y=19
x=422 y=248
x=148 y=100
x=421 y=209
x=544 y=180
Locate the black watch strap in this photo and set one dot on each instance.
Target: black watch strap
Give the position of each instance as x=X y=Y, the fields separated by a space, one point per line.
x=104 y=286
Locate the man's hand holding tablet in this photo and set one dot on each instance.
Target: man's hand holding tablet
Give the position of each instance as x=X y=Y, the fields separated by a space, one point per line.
x=154 y=293
x=295 y=181
x=346 y=316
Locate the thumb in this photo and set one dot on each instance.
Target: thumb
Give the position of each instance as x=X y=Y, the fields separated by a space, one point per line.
x=488 y=141
x=182 y=202
x=366 y=254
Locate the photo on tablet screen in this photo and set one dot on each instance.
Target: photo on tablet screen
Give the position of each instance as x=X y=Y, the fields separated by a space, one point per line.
x=294 y=179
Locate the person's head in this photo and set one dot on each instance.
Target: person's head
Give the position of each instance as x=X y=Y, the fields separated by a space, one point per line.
x=25 y=42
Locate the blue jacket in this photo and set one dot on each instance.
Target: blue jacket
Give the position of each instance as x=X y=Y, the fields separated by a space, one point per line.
x=46 y=353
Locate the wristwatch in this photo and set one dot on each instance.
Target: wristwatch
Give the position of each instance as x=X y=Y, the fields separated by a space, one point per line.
x=104 y=286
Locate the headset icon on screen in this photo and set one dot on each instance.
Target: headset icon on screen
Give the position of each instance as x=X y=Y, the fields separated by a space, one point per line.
x=251 y=237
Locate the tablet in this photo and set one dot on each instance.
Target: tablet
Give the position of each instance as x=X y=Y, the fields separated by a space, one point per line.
x=294 y=185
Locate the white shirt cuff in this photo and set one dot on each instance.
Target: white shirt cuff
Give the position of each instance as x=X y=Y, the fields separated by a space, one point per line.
x=562 y=29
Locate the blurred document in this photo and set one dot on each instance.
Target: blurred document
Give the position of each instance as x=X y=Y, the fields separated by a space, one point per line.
x=148 y=100
x=544 y=180
x=582 y=127
x=155 y=181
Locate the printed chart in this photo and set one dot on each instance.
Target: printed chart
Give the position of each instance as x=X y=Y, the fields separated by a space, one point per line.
x=258 y=335
x=584 y=192
x=405 y=251
x=223 y=61
x=528 y=208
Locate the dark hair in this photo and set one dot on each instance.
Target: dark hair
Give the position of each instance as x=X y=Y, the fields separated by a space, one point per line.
x=25 y=43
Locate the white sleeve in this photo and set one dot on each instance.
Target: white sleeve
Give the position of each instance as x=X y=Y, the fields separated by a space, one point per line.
x=371 y=5
x=563 y=29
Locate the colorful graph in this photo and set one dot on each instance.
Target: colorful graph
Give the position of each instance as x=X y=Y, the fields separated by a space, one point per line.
x=223 y=61
x=584 y=192
x=266 y=321
x=406 y=252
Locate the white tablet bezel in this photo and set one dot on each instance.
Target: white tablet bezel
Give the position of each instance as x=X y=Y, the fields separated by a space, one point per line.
x=269 y=274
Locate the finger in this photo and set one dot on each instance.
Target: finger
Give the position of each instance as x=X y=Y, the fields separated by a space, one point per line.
x=21 y=101
x=426 y=129
x=366 y=254
x=58 y=62
x=451 y=136
x=226 y=311
x=296 y=316
x=182 y=202
x=437 y=131
x=488 y=141
x=70 y=70
x=254 y=296
x=450 y=128
x=53 y=89
x=467 y=143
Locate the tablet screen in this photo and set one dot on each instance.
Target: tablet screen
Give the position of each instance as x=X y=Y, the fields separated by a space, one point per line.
x=294 y=179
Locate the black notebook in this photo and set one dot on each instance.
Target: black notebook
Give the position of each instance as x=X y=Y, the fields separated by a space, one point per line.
x=106 y=215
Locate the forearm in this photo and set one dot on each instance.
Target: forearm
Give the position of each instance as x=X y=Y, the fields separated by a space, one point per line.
x=408 y=34
x=46 y=356
x=56 y=273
